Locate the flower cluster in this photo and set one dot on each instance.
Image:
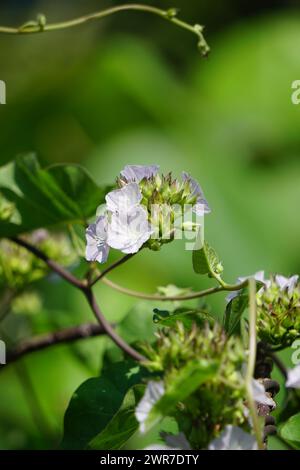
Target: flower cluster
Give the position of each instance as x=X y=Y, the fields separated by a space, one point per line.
x=145 y=210
x=278 y=308
x=217 y=402
x=278 y=311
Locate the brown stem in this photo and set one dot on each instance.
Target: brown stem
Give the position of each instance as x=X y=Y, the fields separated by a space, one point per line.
x=111 y=267
x=87 y=291
x=109 y=329
x=66 y=335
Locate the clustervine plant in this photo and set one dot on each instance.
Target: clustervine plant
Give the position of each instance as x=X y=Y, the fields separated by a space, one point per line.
x=212 y=379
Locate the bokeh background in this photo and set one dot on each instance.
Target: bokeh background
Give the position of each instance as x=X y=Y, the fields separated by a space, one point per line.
x=132 y=89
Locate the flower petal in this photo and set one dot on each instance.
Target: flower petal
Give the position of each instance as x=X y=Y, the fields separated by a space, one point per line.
x=129 y=231
x=196 y=190
x=293 y=378
x=260 y=395
x=286 y=282
x=138 y=172
x=177 y=441
x=154 y=391
x=234 y=438
x=123 y=200
x=97 y=248
x=258 y=276
x=91 y=251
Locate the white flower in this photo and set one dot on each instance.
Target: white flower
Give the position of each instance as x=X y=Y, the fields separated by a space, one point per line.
x=154 y=391
x=124 y=226
x=201 y=207
x=129 y=227
x=138 y=172
x=128 y=231
x=123 y=200
x=288 y=283
x=259 y=276
x=260 y=396
x=233 y=438
x=293 y=378
x=97 y=248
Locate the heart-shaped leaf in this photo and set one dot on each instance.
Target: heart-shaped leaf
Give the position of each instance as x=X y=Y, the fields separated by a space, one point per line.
x=122 y=426
x=95 y=403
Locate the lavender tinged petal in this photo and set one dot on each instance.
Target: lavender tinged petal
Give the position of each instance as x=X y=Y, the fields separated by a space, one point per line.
x=97 y=248
x=129 y=231
x=196 y=191
x=293 y=378
x=123 y=200
x=138 y=172
x=234 y=438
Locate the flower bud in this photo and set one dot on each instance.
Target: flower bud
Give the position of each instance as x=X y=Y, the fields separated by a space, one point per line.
x=278 y=311
x=218 y=401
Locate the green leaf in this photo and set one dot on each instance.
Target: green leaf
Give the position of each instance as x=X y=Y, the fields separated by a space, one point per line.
x=137 y=325
x=290 y=431
x=234 y=311
x=188 y=379
x=206 y=261
x=185 y=315
x=44 y=197
x=77 y=236
x=95 y=403
x=122 y=426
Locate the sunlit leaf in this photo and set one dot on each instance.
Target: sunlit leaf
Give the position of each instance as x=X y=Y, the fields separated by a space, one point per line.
x=206 y=261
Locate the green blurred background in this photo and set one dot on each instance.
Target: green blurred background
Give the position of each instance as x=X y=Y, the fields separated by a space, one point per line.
x=132 y=89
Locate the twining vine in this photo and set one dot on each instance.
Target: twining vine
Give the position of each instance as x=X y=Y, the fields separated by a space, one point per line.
x=194 y=359
x=40 y=25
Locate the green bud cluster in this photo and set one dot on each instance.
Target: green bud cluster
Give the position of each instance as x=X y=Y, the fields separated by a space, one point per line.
x=278 y=315
x=217 y=402
x=164 y=197
x=165 y=189
x=19 y=268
